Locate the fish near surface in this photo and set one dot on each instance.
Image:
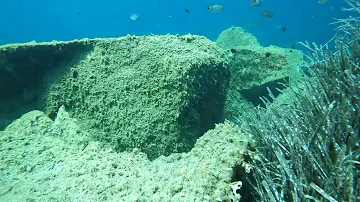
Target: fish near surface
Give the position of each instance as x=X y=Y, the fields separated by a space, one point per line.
x=134 y=16
x=216 y=8
x=255 y=2
x=267 y=14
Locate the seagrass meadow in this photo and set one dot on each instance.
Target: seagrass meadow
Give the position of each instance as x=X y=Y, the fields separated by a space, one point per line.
x=309 y=142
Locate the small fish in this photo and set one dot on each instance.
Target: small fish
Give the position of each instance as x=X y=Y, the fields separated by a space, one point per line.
x=134 y=16
x=267 y=14
x=216 y=8
x=255 y=2
x=186 y=10
x=283 y=28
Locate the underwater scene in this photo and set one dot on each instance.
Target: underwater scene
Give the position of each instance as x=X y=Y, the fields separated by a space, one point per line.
x=180 y=101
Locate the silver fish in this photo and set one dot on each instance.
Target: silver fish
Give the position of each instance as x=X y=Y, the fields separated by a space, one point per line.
x=216 y=8
x=267 y=14
x=134 y=16
x=255 y=2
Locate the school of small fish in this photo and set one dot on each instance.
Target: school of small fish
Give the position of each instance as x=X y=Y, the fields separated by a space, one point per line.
x=219 y=8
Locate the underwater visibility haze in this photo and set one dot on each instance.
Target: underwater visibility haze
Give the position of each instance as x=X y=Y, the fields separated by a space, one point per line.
x=25 y=20
x=179 y=101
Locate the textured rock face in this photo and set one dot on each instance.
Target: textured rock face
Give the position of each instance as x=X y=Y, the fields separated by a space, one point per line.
x=252 y=64
x=156 y=93
x=68 y=166
x=235 y=37
x=23 y=68
x=255 y=70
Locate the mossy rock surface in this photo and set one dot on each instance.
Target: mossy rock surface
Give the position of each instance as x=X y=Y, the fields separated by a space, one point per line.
x=255 y=70
x=235 y=37
x=156 y=93
x=252 y=66
x=24 y=69
x=48 y=160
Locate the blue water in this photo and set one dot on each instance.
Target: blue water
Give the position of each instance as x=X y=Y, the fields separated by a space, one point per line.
x=47 y=20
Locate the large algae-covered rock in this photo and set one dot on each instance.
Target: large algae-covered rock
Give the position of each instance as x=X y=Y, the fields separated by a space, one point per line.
x=48 y=160
x=253 y=66
x=156 y=93
x=255 y=69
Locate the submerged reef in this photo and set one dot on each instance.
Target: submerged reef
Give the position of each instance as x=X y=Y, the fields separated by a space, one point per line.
x=156 y=93
x=255 y=70
x=46 y=160
x=112 y=118
x=179 y=118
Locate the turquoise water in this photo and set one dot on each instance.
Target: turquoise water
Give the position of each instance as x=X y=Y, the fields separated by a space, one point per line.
x=178 y=118
x=26 y=20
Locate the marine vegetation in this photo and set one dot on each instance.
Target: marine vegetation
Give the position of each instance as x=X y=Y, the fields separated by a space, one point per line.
x=309 y=144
